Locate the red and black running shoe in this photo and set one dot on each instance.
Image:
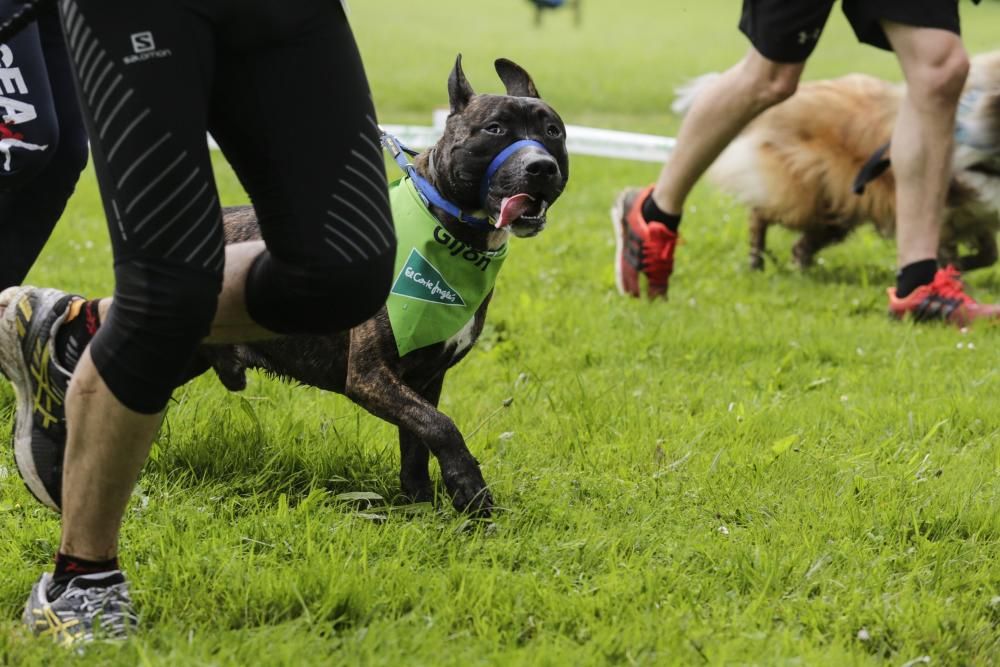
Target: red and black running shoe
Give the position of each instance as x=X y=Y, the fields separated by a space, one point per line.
x=641 y=247
x=942 y=300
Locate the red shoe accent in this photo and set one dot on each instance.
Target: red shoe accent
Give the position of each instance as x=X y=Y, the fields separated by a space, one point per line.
x=642 y=247
x=658 y=258
x=944 y=299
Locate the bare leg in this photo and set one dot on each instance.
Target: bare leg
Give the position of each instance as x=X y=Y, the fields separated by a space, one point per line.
x=106 y=446
x=718 y=114
x=935 y=66
x=232 y=324
x=107 y=443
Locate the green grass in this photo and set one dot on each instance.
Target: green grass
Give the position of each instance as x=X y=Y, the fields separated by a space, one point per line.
x=762 y=471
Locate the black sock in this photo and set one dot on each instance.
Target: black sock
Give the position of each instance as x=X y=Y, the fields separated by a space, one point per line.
x=652 y=213
x=68 y=567
x=76 y=331
x=914 y=275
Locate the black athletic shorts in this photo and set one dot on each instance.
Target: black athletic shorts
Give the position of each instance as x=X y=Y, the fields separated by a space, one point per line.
x=787 y=31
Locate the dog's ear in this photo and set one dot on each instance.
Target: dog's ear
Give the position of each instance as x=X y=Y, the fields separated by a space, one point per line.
x=459 y=90
x=518 y=82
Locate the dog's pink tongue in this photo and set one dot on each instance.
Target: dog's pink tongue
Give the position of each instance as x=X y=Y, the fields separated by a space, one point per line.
x=512 y=208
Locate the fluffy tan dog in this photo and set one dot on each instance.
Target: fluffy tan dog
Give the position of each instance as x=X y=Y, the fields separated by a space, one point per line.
x=796 y=164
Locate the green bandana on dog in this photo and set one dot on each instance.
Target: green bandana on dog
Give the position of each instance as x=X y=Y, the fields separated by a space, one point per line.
x=440 y=281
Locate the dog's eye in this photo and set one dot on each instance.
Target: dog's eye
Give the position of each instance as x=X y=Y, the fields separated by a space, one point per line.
x=553 y=131
x=494 y=128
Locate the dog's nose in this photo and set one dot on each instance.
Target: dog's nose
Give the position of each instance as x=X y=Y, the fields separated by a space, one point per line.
x=541 y=165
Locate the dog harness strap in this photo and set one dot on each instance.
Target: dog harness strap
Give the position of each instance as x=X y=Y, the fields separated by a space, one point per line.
x=428 y=193
x=440 y=281
x=498 y=161
x=871 y=169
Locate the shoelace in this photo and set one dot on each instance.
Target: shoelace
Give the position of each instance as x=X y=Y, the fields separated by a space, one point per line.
x=947 y=284
x=658 y=253
x=112 y=603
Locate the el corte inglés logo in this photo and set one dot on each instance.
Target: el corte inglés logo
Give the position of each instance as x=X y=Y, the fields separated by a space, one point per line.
x=420 y=280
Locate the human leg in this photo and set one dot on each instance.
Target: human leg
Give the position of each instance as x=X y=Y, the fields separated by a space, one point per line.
x=91 y=531
x=337 y=224
x=316 y=178
x=935 y=65
x=718 y=114
x=148 y=131
x=925 y=35
x=646 y=221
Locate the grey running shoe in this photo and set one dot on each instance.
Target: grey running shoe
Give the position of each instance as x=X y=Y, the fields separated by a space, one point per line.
x=93 y=606
x=27 y=357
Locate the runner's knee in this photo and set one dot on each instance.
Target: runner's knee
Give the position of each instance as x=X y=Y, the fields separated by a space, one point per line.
x=940 y=76
x=160 y=314
x=316 y=297
x=769 y=82
x=780 y=83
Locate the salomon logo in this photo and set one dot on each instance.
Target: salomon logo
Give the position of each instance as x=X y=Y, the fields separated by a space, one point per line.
x=143 y=42
x=144 y=48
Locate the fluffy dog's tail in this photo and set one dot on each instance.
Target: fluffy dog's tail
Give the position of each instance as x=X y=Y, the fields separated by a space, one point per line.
x=687 y=93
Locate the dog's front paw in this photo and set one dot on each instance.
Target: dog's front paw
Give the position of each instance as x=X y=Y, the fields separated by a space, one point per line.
x=469 y=493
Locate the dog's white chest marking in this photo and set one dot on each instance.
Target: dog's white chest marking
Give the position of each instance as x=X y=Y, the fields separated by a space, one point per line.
x=462 y=340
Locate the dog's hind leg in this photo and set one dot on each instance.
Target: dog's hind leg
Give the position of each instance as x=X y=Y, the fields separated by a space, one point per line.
x=758 y=239
x=986 y=253
x=414 y=478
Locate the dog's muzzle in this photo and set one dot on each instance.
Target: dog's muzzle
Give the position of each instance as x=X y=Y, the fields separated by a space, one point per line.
x=531 y=195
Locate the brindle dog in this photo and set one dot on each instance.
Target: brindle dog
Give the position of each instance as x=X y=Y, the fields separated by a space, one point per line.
x=363 y=363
